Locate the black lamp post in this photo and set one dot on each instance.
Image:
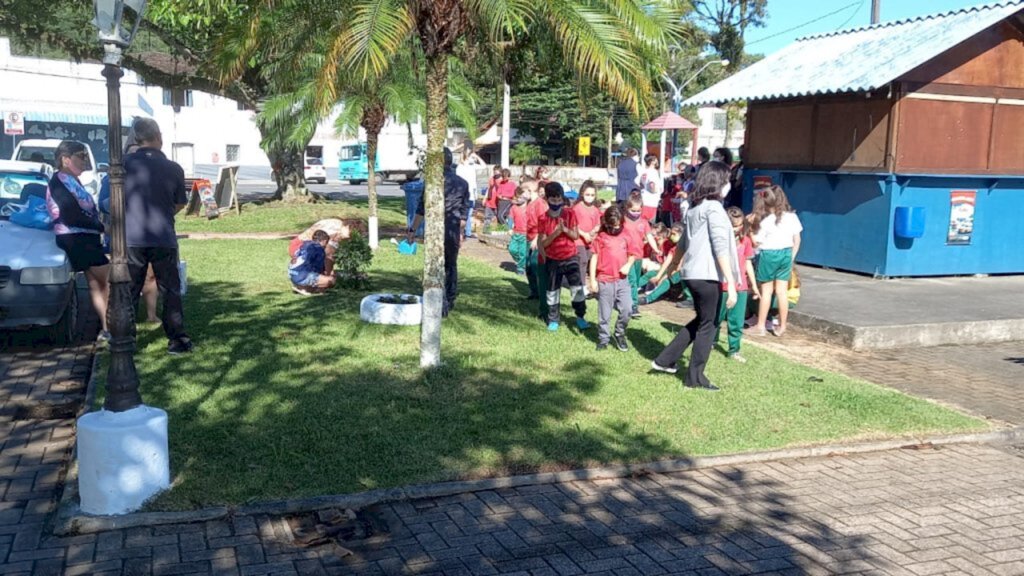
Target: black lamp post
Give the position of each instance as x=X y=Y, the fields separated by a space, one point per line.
x=117 y=21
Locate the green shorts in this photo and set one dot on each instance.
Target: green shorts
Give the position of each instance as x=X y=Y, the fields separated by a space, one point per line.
x=774 y=265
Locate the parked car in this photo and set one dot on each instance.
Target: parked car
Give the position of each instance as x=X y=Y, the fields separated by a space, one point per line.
x=43 y=151
x=314 y=170
x=37 y=284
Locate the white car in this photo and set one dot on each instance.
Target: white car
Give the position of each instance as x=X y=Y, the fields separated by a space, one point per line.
x=37 y=284
x=314 y=170
x=43 y=151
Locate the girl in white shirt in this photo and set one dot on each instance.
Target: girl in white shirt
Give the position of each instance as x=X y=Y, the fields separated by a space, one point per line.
x=651 y=187
x=777 y=235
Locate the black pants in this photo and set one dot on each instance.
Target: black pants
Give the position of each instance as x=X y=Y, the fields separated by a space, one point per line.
x=452 y=241
x=570 y=271
x=165 y=268
x=700 y=331
x=504 y=207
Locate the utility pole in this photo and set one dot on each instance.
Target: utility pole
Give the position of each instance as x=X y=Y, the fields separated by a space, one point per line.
x=506 y=119
x=876 y=10
x=611 y=115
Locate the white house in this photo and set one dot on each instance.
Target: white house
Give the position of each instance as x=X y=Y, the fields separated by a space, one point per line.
x=712 y=132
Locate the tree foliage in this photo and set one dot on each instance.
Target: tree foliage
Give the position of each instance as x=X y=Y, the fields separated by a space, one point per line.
x=727 y=22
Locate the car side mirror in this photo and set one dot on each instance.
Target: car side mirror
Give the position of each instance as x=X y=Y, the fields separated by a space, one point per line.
x=103 y=167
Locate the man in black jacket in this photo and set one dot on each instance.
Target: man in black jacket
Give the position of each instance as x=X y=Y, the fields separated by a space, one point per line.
x=456 y=212
x=154 y=191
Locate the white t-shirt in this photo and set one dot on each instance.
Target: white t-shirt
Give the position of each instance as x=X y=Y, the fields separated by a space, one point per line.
x=651 y=187
x=777 y=234
x=468 y=173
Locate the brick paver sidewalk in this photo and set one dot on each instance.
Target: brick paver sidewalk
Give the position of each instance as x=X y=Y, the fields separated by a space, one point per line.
x=954 y=510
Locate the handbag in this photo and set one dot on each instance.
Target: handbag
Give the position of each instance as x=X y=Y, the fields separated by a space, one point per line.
x=33 y=214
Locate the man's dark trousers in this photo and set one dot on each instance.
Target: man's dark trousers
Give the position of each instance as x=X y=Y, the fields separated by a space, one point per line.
x=168 y=281
x=452 y=242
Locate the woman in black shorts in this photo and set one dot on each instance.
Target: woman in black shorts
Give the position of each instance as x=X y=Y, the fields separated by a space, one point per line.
x=77 y=225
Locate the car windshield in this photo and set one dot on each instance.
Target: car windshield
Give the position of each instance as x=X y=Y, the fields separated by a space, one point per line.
x=12 y=184
x=36 y=154
x=349 y=152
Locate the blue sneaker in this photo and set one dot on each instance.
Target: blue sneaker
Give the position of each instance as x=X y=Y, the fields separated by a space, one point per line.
x=552 y=326
x=582 y=324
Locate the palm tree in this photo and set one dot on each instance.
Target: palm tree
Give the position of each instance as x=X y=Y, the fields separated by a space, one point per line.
x=618 y=44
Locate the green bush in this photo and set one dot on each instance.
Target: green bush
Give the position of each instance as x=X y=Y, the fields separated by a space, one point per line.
x=352 y=259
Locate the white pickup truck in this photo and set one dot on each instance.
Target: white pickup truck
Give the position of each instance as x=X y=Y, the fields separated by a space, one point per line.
x=43 y=151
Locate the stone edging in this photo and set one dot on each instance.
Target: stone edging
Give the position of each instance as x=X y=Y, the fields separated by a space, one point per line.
x=70 y=520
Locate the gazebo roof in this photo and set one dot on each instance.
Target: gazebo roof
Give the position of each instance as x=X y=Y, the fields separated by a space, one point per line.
x=669 y=121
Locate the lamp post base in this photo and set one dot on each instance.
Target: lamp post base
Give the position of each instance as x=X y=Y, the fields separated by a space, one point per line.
x=123 y=459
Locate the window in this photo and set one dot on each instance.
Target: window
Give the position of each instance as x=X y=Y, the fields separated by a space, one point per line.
x=231 y=154
x=719 y=121
x=242 y=106
x=177 y=98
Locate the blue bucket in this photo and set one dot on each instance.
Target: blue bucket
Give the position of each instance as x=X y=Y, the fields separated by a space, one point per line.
x=406 y=247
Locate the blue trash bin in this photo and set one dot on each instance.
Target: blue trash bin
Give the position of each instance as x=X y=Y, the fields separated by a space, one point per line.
x=413 y=192
x=909 y=222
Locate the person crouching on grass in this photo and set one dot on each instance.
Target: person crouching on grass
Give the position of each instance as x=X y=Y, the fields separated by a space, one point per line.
x=609 y=271
x=308 y=267
x=557 y=233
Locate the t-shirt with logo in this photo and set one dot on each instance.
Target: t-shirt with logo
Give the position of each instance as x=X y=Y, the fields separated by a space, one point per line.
x=587 y=218
x=637 y=231
x=562 y=247
x=612 y=253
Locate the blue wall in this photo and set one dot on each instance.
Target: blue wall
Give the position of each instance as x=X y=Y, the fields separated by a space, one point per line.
x=848 y=222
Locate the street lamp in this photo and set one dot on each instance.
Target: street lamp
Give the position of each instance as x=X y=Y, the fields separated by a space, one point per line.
x=123 y=456
x=677 y=95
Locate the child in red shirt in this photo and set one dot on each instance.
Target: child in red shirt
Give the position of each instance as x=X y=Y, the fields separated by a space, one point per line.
x=536 y=275
x=504 y=191
x=609 y=269
x=638 y=231
x=744 y=256
x=588 y=218
x=518 y=247
x=491 y=203
x=557 y=233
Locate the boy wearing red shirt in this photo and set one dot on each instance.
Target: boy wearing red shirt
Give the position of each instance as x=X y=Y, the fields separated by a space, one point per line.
x=588 y=218
x=504 y=191
x=536 y=273
x=556 y=234
x=609 y=269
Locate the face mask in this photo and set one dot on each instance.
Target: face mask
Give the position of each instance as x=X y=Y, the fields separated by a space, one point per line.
x=633 y=215
x=615 y=231
x=674 y=238
x=554 y=208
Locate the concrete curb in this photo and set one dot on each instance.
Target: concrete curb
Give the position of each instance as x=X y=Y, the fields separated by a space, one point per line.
x=72 y=521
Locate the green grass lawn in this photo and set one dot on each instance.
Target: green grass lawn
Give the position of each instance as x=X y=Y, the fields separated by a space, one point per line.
x=290 y=396
x=281 y=217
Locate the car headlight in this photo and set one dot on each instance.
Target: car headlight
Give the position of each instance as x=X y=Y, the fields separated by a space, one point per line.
x=46 y=275
x=10 y=188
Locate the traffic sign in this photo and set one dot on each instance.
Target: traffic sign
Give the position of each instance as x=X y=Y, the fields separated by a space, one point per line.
x=584 y=146
x=14 y=124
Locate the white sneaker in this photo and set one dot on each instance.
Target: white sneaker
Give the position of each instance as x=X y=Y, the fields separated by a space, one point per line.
x=738 y=358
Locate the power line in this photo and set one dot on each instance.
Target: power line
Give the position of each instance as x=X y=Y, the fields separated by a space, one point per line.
x=854 y=13
x=809 y=22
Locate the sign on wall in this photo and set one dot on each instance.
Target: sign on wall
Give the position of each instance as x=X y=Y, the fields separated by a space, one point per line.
x=14 y=123
x=961 y=217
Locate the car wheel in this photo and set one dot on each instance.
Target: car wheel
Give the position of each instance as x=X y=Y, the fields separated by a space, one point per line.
x=355 y=182
x=323 y=180
x=378 y=179
x=64 y=332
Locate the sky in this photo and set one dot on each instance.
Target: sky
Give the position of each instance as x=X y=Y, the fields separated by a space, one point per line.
x=791 y=19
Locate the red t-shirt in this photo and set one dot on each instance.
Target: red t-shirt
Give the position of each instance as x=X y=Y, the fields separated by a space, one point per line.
x=534 y=209
x=492 y=193
x=587 y=217
x=637 y=231
x=612 y=253
x=562 y=247
x=519 y=218
x=505 y=190
x=744 y=252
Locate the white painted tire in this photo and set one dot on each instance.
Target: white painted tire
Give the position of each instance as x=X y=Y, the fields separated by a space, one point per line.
x=372 y=310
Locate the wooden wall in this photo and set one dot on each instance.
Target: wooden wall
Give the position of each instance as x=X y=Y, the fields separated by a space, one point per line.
x=848 y=132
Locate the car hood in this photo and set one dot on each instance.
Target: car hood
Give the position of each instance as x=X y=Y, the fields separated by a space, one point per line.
x=28 y=247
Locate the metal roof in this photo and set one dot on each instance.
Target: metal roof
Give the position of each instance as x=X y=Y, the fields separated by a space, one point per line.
x=855 y=60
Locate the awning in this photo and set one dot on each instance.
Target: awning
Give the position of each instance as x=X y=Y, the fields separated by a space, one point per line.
x=669 y=121
x=69 y=112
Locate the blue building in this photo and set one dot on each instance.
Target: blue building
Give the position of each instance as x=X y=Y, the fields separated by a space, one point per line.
x=900 y=145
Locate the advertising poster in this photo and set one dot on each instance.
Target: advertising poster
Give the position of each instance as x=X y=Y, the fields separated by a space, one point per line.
x=961 y=217
x=14 y=123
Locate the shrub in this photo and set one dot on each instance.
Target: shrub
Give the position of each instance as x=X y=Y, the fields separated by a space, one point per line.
x=352 y=259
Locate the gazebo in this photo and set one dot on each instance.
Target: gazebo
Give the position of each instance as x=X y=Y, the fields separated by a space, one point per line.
x=668 y=121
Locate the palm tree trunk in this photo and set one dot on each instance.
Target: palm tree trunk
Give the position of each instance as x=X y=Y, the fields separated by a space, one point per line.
x=371 y=185
x=433 y=261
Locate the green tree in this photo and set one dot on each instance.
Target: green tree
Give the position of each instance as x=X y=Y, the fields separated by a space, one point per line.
x=523 y=154
x=727 y=21
x=620 y=45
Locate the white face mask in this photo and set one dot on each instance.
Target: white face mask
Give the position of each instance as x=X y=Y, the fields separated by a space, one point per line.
x=725 y=190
